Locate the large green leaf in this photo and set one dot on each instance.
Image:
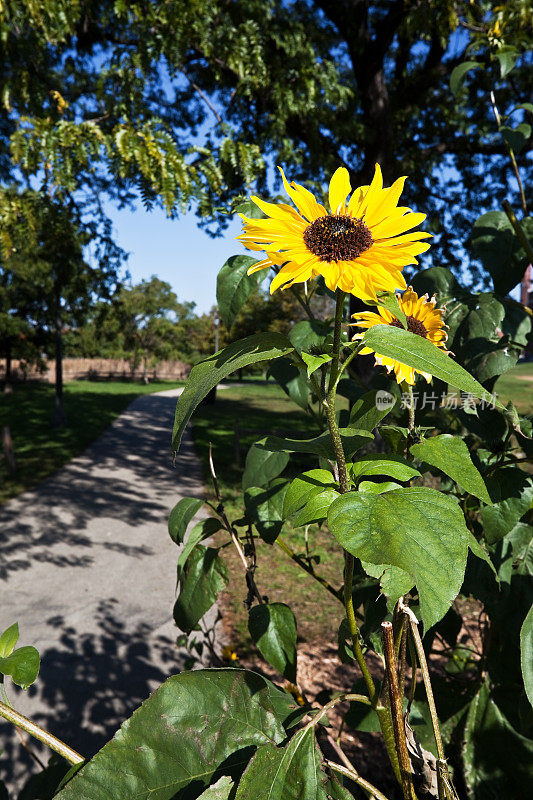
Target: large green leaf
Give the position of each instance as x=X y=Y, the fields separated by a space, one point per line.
x=22 y=666
x=526 y=654
x=181 y=515
x=498 y=761
x=417 y=529
x=291 y=380
x=272 y=627
x=370 y=409
x=205 y=375
x=352 y=440
x=511 y=491
x=450 y=455
x=376 y=464
x=202 y=578
x=316 y=509
x=517 y=137
x=234 y=286
x=496 y=245
x=264 y=507
x=309 y=334
x=304 y=487
x=262 y=465
x=179 y=737
x=291 y=772
x=420 y=353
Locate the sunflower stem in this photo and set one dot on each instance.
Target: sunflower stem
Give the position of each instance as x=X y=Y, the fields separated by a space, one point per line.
x=384 y=715
x=411 y=408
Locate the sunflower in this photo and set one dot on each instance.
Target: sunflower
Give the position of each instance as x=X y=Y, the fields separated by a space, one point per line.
x=359 y=246
x=422 y=318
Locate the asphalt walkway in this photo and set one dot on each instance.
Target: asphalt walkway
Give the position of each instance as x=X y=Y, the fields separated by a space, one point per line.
x=88 y=571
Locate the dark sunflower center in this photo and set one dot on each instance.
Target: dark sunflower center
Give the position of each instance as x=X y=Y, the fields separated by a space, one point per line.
x=337 y=238
x=413 y=325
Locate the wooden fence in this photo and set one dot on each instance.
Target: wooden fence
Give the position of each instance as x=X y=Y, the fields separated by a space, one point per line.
x=95 y=369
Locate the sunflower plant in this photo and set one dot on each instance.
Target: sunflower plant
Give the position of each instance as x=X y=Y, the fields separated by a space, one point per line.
x=427 y=501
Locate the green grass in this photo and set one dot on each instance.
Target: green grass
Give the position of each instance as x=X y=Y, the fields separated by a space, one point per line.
x=90 y=406
x=517 y=385
x=258 y=408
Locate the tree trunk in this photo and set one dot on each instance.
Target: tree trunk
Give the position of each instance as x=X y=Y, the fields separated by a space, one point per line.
x=59 y=419
x=8 y=386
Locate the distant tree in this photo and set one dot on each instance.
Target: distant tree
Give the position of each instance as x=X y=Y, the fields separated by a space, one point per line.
x=50 y=285
x=147 y=317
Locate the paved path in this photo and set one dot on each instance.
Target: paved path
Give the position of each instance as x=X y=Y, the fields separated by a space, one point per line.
x=88 y=570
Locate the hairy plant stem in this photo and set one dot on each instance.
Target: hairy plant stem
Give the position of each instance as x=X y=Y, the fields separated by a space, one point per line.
x=43 y=736
x=354 y=776
x=442 y=767
x=395 y=699
x=411 y=408
x=383 y=713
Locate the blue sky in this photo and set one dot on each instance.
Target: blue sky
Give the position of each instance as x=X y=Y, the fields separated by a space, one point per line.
x=176 y=251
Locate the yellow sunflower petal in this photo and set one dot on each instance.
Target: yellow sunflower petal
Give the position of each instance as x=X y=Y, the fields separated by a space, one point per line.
x=339 y=189
x=392 y=227
x=310 y=209
x=386 y=204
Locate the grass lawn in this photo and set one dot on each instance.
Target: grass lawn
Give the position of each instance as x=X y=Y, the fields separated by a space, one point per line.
x=259 y=406
x=517 y=385
x=90 y=406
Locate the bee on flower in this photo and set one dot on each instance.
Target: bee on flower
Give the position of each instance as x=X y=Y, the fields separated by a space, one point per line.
x=360 y=245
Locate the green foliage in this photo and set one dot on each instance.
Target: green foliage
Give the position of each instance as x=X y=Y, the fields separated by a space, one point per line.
x=181 y=515
x=450 y=455
x=201 y=578
x=272 y=627
x=234 y=286
x=208 y=373
x=21 y=664
x=240 y=711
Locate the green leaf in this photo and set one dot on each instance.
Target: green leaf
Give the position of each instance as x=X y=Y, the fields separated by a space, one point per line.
x=517 y=137
x=490 y=746
x=389 y=300
x=376 y=464
x=304 y=487
x=377 y=488
x=289 y=377
x=352 y=440
x=526 y=107
x=8 y=640
x=22 y=665
x=459 y=73
x=498 y=248
x=417 y=529
x=220 y=790
x=507 y=57
x=314 y=362
x=262 y=465
x=394 y=582
x=309 y=334
x=437 y=280
x=420 y=353
x=284 y=773
x=161 y=749
x=234 y=286
x=207 y=374
x=249 y=209
x=203 y=577
x=511 y=491
x=370 y=409
x=181 y=515
x=203 y=530
x=526 y=654
x=337 y=790
x=264 y=506
x=450 y=455
x=316 y=509
x=272 y=627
